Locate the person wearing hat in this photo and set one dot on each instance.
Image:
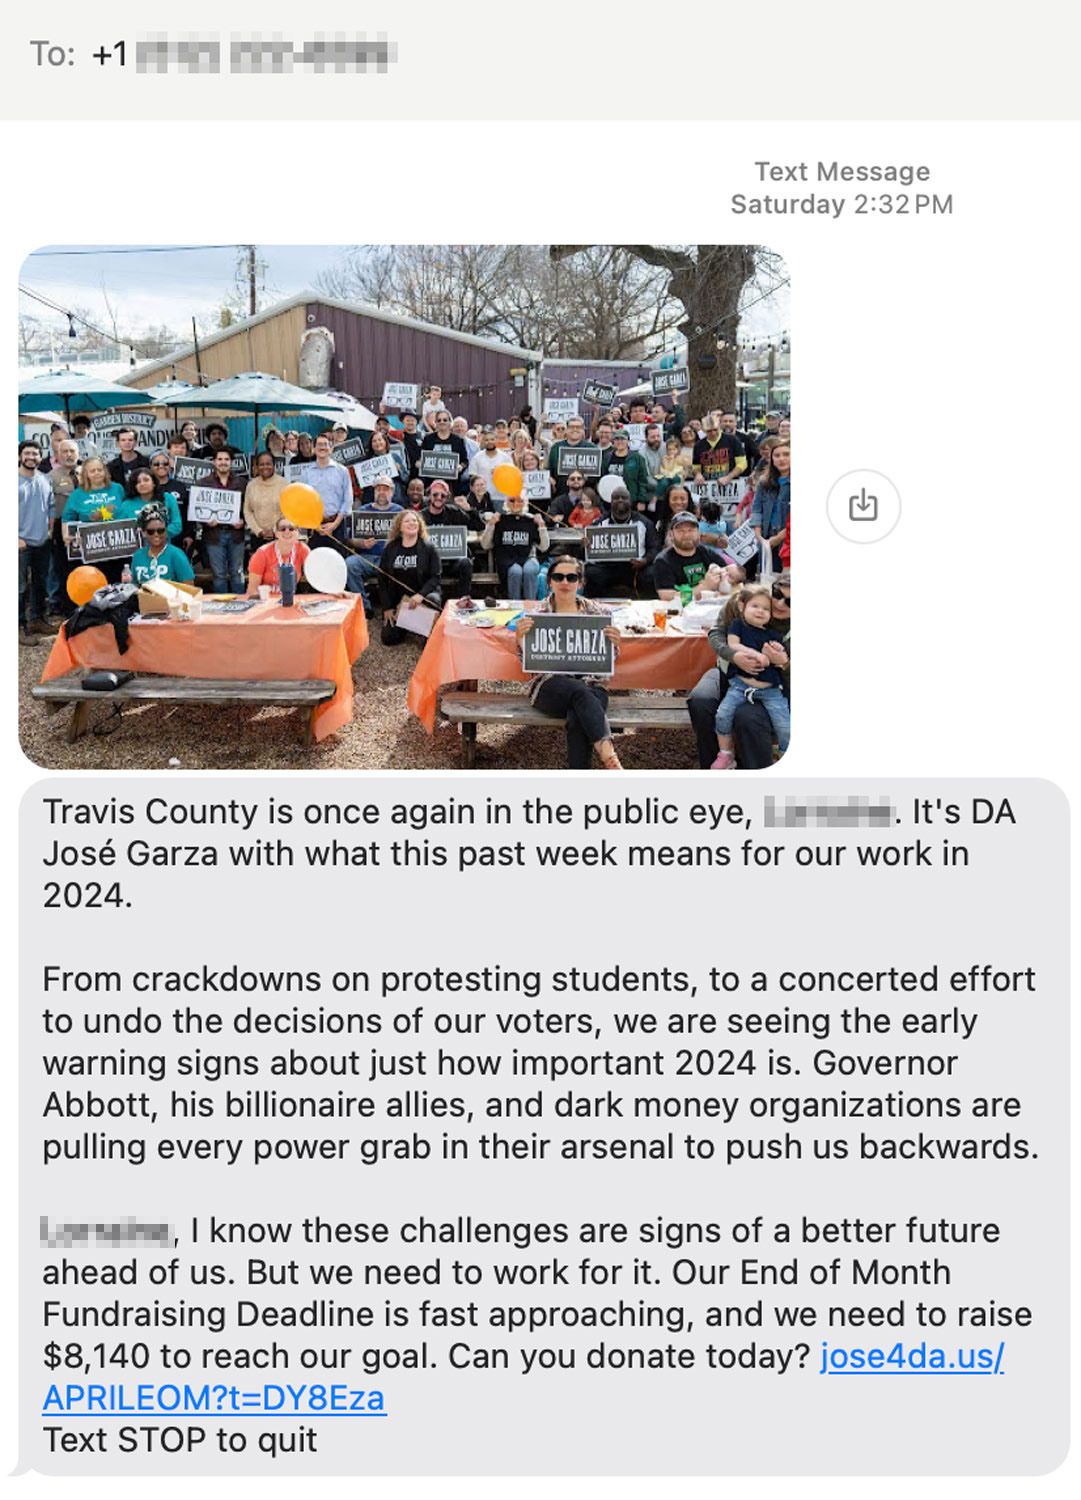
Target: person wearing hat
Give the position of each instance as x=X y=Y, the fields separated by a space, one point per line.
x=217 y=441
x=410 y=439
x=685 y=563
x=628 y=466
x=441 y=511
x=369 y=549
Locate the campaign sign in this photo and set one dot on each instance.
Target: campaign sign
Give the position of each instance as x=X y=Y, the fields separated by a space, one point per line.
x=401 y=395
x=599 y=395
x=74 y=553
x=379 y=467
x=613 y=543
x=193 y=470
x=352 y=451
x=537 y=484
x=299 y=473
x=280 y=463
x=560 y=408
x=743 y=543
x=666 y=381
x=372 y=523
x=100 y=541
x=451 y=542
x=571 y=645
x=212 y=506
x=242 y=464
x=585 y=457
x=436 y=465
x=636 y=434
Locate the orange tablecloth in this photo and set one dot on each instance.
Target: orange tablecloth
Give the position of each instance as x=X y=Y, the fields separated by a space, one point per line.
x=266 y=642
x=455 y=651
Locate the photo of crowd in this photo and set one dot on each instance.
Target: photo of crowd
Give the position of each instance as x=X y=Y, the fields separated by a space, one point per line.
x=464 y=553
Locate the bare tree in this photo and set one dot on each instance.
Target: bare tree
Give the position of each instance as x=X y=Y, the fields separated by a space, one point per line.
x=33 y=338
x=708 y=281
x=605 y=304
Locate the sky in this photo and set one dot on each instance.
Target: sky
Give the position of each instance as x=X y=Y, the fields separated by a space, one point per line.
x=148 y=288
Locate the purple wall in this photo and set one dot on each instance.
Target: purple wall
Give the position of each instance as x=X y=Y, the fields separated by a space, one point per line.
x=368 y=352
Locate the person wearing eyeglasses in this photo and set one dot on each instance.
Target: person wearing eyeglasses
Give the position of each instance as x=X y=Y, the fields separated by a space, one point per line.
x=581 y=701
x=158 y=558
x=268 y=559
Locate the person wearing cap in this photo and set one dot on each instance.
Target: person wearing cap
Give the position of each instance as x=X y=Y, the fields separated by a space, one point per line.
x=368 y=550
x=442 y=511
x=628 y=466
x=217 y=441
x=603 y=577
x=485 y=461
x=685 y=564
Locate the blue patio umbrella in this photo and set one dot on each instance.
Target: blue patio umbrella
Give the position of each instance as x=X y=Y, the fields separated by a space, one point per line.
x=254 y=392
x=83 y=392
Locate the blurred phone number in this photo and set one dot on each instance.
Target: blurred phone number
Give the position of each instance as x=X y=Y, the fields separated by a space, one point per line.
x=257 y=53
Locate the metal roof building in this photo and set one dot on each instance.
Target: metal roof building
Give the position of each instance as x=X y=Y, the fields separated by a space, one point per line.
x=363 y=347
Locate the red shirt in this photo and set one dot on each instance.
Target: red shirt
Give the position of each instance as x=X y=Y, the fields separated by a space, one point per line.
x=263 y=567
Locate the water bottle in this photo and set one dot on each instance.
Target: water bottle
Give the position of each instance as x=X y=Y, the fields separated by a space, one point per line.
x=287 y=582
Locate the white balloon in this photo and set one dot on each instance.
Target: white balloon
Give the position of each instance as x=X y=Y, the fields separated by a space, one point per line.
x=608 y=486
x=325 y=571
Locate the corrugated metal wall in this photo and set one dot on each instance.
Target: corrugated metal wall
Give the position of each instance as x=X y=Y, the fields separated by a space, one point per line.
x=272 y=346
x=477 y=383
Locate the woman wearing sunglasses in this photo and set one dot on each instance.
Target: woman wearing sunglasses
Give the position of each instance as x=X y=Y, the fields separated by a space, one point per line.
x=158 y=558
x=267 y=560
x=582 y=701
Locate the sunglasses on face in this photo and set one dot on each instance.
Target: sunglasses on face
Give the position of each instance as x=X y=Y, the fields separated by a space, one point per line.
x=155 y=531
x=287 y=528
x=779 y=593
x=563 y=577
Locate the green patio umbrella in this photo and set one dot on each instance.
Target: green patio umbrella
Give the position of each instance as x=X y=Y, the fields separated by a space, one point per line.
x=254 y=393
x=83 y=392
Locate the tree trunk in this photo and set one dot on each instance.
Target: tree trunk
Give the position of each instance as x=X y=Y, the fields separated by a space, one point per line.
x=710 y=291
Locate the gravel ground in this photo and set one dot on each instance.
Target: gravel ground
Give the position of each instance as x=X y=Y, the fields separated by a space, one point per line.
x=383 y=735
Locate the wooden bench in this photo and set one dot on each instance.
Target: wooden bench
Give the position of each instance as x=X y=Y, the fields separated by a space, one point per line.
x=630 y=711
x=307 y=694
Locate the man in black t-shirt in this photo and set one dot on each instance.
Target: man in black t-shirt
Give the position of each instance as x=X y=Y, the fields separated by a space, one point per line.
x=127 y=460
x=440 y=511
x=217 y=441
x=442 y=440
x=718 y=454
x=685 y=562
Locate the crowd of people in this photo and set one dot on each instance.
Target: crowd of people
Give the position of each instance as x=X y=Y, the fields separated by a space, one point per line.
x=642 y=466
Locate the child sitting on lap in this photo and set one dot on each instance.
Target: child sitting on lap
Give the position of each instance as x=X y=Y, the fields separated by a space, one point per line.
x=749 y=628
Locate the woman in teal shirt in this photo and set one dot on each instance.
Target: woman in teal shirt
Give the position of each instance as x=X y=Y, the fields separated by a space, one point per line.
x=143 y=491
x=159 y=558
x=98 y=498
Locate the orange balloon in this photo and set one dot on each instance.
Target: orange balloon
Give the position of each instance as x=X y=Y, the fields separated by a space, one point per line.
x=508 y=480
x=83 y=584
x=302 y=505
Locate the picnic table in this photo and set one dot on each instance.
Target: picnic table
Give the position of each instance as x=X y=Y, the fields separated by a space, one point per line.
x=260 y=652
x=457 y=652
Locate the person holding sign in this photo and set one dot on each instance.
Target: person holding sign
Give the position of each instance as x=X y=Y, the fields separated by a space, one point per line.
x=97 y=497
x=443 y=440
x=158 y=558
x=581 y=701
x=224 y=541
x=440 y=512
x=409 y=573
x=576 y=438
x=514 y=538
x=633 y=573
x=286 y=547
